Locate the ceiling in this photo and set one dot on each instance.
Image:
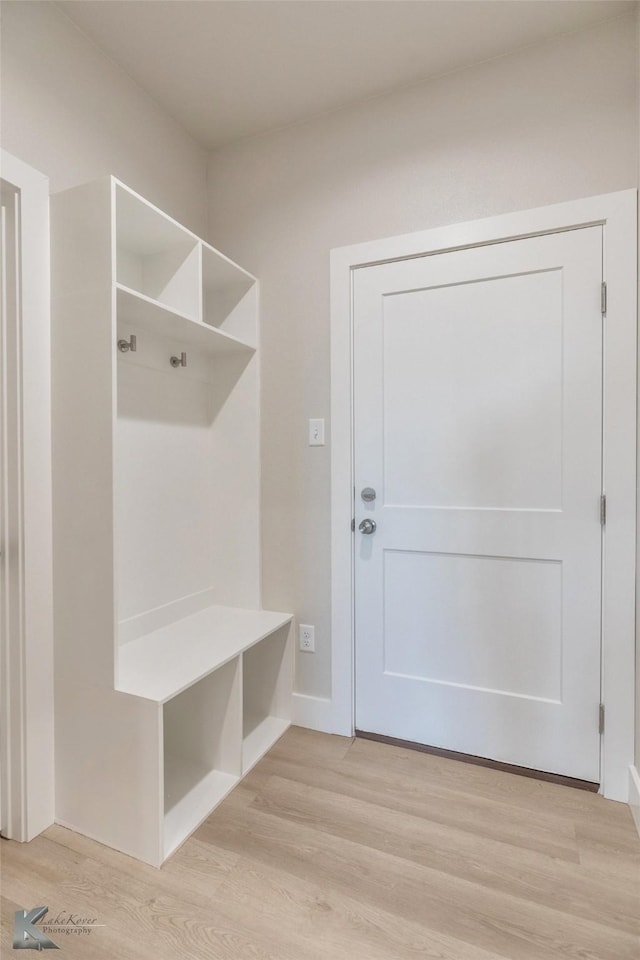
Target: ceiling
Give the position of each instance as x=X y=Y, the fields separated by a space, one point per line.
x=231 y=69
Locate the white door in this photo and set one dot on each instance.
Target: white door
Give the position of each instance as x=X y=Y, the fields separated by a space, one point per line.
x=478 y=424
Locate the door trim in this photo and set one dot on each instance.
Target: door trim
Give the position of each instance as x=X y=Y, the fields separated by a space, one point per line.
x=26 y=663
x=617 y=213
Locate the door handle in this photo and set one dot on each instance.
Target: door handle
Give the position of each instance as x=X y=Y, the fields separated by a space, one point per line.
x=367 y=526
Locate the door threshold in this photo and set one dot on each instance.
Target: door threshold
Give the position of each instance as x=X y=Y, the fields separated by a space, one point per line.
x=482 y=762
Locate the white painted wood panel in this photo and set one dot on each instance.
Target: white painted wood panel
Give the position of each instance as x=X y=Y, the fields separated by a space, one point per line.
x=157 y=318
x=166 y=535
x=461 y=365
x=506 y=640
x=478 y=420
x=161 y=664
x=109 y=768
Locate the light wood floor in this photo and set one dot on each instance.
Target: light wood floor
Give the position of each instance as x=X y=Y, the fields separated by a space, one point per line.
x=335 y=849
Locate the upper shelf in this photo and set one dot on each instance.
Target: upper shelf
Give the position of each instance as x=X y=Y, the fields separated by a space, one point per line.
x=159 y=259
x=163 y=663
x=141 y=311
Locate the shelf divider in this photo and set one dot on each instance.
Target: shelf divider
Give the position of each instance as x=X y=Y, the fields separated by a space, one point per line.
x=261 y=738
x=194 y=806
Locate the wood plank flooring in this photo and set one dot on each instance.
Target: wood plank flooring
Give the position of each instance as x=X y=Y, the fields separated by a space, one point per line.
x=355 y=850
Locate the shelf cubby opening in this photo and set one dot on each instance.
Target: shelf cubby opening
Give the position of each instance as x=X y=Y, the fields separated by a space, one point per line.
x=141 y=312
x=202 y=755
x=229 y=296
x=266 y=699
x=155 y=256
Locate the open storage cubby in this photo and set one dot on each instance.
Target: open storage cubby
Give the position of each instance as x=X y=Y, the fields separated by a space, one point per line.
x=266 y=698
x=139 y=315
x=229 y=296
x=202 y=755
x=155 y=257
x=168 y=671
x=174 y=286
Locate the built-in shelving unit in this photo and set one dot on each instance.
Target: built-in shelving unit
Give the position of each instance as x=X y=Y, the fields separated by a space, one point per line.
x=171 y=680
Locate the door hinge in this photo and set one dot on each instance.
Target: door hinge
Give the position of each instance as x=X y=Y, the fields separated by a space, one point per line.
x=353 y=525
x=603 y=298
x=603 y=509
x=601 y=719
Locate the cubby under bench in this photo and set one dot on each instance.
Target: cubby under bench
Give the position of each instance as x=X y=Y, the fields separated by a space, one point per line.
x=221 y=679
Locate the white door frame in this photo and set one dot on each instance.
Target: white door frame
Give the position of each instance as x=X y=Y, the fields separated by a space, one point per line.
x=26 y=658
x=617 y=212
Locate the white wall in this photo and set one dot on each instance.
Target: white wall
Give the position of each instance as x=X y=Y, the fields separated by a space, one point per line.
x=71 y=113
x=554 y=122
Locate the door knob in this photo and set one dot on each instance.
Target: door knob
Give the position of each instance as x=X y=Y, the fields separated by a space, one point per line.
x=367 y=526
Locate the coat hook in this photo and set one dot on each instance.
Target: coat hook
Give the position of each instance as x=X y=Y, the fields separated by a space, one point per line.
x=125 y=345
x=180 y=361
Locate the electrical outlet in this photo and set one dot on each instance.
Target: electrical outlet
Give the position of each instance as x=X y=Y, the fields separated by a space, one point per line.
x=307 y=638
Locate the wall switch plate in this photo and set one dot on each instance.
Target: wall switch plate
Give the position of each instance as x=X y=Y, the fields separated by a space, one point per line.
x=306 y=638
x=316 y=433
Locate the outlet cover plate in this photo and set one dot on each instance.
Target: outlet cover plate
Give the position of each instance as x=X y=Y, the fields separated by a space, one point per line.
x=316 y=433
x=306 y=638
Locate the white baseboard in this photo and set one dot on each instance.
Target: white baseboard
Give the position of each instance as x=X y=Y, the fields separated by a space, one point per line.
x=315 y=713
x=634 y=795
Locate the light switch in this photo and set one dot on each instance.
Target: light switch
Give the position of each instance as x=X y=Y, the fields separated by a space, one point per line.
x=316 y=433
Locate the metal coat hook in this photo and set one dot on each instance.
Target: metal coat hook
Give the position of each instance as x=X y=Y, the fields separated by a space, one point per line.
x=125 y=345
x=180 y=361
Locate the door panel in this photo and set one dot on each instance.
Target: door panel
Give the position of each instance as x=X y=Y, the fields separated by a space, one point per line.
x=483 y=602
x=478 y=421
x=473 y=438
